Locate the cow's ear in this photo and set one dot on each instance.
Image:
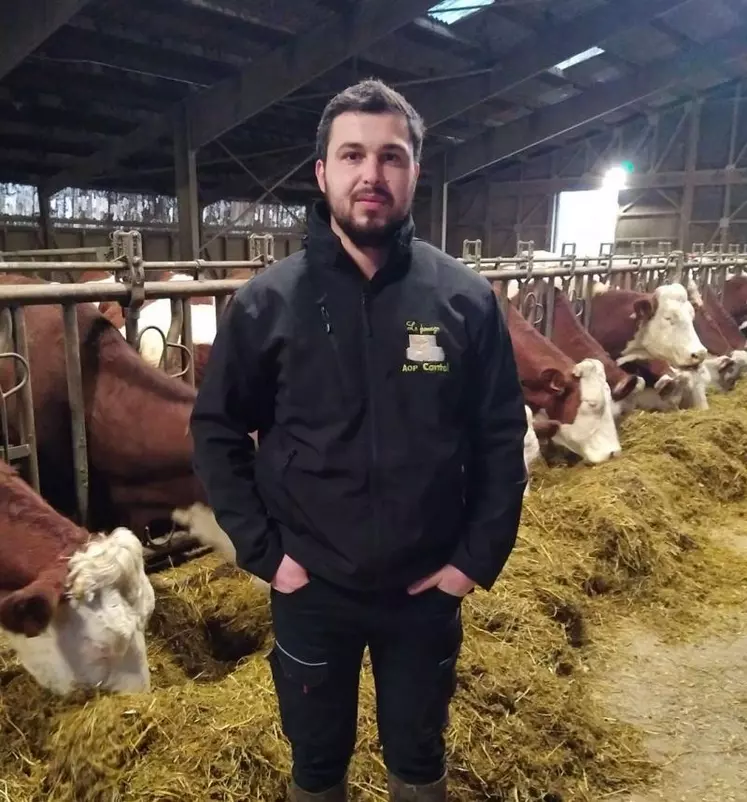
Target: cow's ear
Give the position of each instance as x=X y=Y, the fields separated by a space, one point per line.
x=29 y=611
x=644 y=308
x=624 y=387
x=554 y=380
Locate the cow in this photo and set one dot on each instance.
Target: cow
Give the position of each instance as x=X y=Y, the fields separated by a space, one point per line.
x=200 y=356
x=575 y=395
x=74 y=605
x=720 y=370
x=155 y=320
x=632 y=325
x=666 y=389
x=574 y=341
x=735 y=300
x=137 y=423
x=733 y=342
x=538 y=428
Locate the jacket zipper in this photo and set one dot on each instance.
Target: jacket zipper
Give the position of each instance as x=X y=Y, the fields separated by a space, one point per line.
x=333 y=342
x=368 y=342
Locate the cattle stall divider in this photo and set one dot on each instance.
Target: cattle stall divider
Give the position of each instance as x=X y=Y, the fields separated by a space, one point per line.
x=130 y=290
x=637 y=270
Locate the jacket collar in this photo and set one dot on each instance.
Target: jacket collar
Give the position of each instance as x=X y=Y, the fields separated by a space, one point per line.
x=324 y=249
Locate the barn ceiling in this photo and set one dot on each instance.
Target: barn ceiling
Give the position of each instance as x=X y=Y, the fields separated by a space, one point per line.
x=91 y=91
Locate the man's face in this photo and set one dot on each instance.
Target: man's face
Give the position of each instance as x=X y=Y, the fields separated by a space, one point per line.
x=369 y=176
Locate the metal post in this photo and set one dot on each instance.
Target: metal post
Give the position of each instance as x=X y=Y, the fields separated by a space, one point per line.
x=27 y=425
x=691 y=162
x=77 y=409
x=185 y=164
x=444 y=214
x=187 y=341
x=726 y=212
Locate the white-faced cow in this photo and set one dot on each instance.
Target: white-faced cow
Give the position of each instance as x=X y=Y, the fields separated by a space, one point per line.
x=73 y=605
x=633 y=325
x=569 y=335
x=666 y=390
x=575 y=395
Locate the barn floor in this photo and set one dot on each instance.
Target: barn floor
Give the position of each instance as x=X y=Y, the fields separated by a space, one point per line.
x=690 y=700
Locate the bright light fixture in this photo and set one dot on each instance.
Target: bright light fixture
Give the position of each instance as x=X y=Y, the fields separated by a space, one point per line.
x=615 y=178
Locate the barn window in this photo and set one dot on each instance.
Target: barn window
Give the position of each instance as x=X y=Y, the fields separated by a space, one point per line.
x=586 y=217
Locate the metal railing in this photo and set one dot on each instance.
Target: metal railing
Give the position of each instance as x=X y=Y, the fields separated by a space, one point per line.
x=576 y=274
x=131 y=290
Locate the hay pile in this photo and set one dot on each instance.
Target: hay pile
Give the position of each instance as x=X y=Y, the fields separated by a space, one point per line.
x=595 y=544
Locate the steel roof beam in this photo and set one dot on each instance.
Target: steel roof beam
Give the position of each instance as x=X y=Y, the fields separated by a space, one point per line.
x=553 y=43
x=553 y=121
x=27 y=24
x=261 y=83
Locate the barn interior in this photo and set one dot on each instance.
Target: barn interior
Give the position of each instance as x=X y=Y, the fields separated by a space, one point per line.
x=185 y=106
x=614 y=126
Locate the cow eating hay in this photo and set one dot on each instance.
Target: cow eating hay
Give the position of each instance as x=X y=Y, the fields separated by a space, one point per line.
x=73 y=606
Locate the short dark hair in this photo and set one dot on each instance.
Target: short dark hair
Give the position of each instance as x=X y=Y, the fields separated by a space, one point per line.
x=375 y=97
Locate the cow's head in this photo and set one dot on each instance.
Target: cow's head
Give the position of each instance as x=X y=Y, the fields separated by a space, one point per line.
x=721 y=373
x=592 y=434
x=94 y=636
x=665 y=328
x=555 y=391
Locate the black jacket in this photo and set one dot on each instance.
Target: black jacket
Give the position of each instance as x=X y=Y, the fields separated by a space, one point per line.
x=381 y=456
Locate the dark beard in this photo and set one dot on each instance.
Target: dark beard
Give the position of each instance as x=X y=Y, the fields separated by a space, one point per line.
x=366 y=237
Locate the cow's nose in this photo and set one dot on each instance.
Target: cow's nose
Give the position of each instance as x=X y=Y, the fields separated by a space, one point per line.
x=699 y=355
x=615 y=453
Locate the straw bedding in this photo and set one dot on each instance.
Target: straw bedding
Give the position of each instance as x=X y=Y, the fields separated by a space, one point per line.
x=627 y=537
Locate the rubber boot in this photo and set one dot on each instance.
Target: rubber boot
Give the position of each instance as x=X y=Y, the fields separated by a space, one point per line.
x=402 y=792
x=337 y=794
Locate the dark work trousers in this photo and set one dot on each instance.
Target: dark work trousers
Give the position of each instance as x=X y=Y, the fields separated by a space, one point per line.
x=321 y=632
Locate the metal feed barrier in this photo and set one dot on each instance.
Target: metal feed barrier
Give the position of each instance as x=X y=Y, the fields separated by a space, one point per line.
x=637 y=270
x=577 y=274
x=131 y=290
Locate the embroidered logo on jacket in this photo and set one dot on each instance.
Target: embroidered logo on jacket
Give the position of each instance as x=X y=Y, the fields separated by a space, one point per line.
x=423 y=350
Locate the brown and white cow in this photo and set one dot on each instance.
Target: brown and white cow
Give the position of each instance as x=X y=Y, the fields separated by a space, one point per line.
x=575 y=395
x=720 y=370
x=139 y=444
x=155 y=317
x=74 y=606
x=666 y=389
x=735 y=299
x=569 y=335
x=632 y=325
x=729 y=338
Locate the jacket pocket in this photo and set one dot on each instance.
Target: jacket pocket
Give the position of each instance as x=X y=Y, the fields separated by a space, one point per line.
x=300 y=516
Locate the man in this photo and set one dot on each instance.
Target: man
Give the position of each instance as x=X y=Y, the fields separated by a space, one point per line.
x=379 y=376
